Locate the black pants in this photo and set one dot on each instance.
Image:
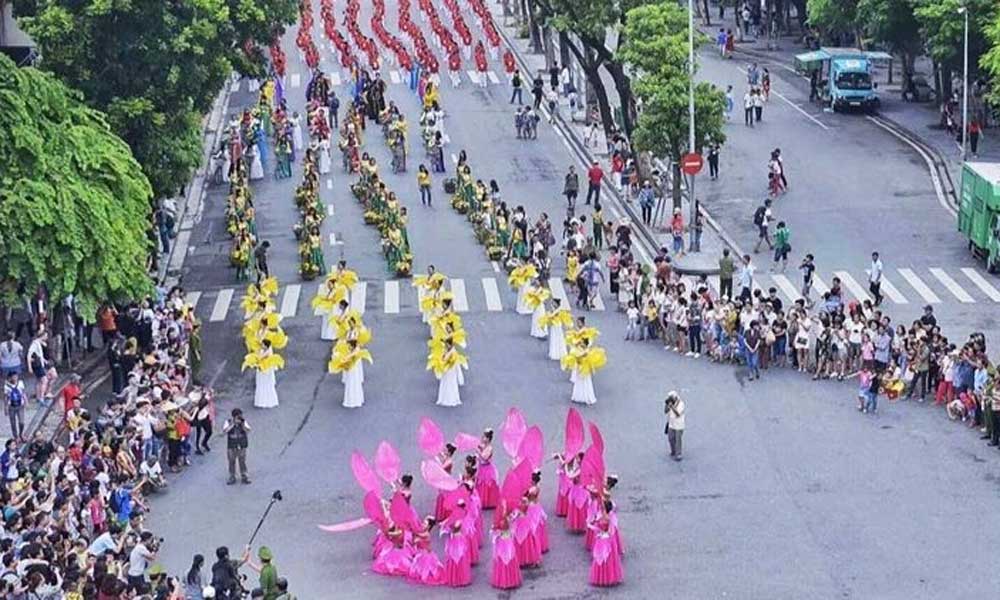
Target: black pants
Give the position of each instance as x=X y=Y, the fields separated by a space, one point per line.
x=647 y=213
x=974 y=142
x=538 y=100
x=995 y=434
x=725 y=287
x=758 y=111
x=919 y=378
x=173 y=452
x=748 y=116
x=202 y=427
x=713 y=167
x=571 y=197
x=875 y=287
x=593 y=191
x=516 y=93
x=694 y=338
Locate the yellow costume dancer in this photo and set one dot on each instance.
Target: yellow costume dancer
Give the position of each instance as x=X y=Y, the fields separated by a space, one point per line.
x=519 y=279
x=429 y=287
x=556 y=322
x=447 y=365
x=265 y=361
x=348 y=359
x=336 y=288
x=584 y=361
x=259 y=298
x=535 y=298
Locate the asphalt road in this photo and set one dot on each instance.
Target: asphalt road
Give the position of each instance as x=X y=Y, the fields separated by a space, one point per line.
x=785 y=491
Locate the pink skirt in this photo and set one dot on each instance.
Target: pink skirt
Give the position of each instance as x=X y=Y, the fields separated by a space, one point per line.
x=379 y=544
x=440 y=512
x=457 y=566
x=393 y=561
x=576 y=518
x=486 y=485
x=426 y=569
x=606 y=566
x=506 y=573
x=562 y=496
x=529 y=553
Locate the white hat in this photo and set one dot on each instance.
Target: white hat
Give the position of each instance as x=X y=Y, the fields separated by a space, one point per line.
x=208 y=592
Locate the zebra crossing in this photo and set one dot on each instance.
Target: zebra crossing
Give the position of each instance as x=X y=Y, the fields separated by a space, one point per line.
x=390 y=76
x=488 y=294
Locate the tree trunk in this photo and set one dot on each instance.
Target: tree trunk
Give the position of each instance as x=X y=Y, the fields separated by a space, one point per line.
x=591 y=68
x=550 y=51
x=564 y=56
x=533 y=28
x=938 y=90
x=946 y=87
x=624 y=88
x=675 y=188
x=707 y=13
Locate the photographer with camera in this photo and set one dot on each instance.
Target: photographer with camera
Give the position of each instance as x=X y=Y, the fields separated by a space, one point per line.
x=226 y=579
x=237 y=429
x=674 y=409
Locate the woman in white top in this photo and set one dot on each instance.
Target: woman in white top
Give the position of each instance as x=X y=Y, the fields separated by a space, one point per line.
x=256 y=167
x=265 y=391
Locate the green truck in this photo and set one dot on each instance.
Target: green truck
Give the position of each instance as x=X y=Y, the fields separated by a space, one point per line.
x=979 y=211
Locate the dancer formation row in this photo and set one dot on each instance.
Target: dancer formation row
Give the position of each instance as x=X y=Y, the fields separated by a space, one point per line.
x=519 y=530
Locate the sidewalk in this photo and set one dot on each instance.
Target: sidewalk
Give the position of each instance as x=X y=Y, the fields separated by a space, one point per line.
x=574 y=127
x=919 y=119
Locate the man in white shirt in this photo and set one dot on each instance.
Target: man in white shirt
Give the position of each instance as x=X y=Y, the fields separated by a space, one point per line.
x=138 y=561
x=145 y=420
x=875 y=278
x=11 y=355
x=746 y=280
x=675 y=424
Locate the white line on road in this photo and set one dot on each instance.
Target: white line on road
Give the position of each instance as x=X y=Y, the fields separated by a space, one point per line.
x=792 y=104
x=296 y=80
x=938 y=188
x=394 y=76
x=454 y=158
x=191 y=299
x=319 y=292
x=290 y=301
x=952 y=285
x=335 y=78
x=819 y=285
x=221 y=305
x=492 y=294
x=359 y=296
x=982 y=284
x=472 y=76
x=496 y=267
x=391 y=297
x=558 y=291
x=461 y=302
x=925 y=292
x=493 y=77
x=892 y=292
x=333 y=240
x=329 y=210
x=786 y=287
x=235 y=87
x=852 y=286
x=329 y=184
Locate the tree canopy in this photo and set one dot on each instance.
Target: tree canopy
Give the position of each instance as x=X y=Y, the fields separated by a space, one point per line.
x=74 y=203
x=155 y=67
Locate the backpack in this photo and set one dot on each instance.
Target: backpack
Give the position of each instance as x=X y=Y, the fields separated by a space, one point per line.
x=15 y=397
x=758 y=216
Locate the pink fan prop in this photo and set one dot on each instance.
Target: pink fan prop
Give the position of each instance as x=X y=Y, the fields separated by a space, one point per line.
x=596 y=439
x=346 y=526
x=436 y=477
x=387 y=462
x=373 y=508
x=363 y=472
x=574 y=432
x=401 y=513
x=513 y=430
x=429 y=437
x=515 y=483
x=532 y=447
x=465 y=442
x=592 y=468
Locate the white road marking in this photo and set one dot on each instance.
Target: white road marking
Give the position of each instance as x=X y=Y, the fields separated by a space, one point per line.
x=982 y=284
x=391 y=297
x=191 y=299
x=819 y=285
x=496 y=267
x=319 y=292
x=925 y=292
x=329 y=184
x=290 y=301
x=473 y=76
x=221 y=306
x=359 y=296
x=454 y=158
x=952 y=286
x=329 y=210
x=853 y=286
x=335 y=78
x=492 y=294
x=333 y=240
x=938 y=187
x=493 y=77
x=394 y=76
x=296 y=80
x=558 y=291
x=236 y=86
x=892 y=292
x=599 y=302
x=792 y=104
x=786 y=287
x=461 y=301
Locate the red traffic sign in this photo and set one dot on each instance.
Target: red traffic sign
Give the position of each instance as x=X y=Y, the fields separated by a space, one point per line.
x=692 y=163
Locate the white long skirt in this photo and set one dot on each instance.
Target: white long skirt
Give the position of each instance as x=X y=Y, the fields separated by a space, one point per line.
x=522 y=304
x=297 y=138
x=557 y=342
x=226 y=165
x=354 y=391
x=583 y=389
x=536 y=323
x=448 y=388
x=328 y=331
x=324 y=159
x=265 y=394
x=256 y=167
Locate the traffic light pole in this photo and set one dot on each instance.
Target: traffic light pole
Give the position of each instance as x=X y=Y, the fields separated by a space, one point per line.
x=693 y=204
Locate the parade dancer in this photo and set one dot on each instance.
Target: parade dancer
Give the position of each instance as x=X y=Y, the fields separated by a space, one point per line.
x=349 y=359
x=535 y=299
x=265 y=361
x=506 y=573
x=606 y=565
x=426 y=568
x=519 y=279
x=486 y=473
x=447 y=366
x=555 y=322
x=458 y=559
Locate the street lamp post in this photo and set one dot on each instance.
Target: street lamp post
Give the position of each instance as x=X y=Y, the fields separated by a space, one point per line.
x=691 y=145
x=965 y=84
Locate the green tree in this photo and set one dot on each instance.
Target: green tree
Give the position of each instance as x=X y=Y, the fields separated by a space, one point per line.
x=990 y=61
x=656 y=50
x=943 y=27
x=74 y=203
x=893 y=24
x=154 y=66
x=834 y=17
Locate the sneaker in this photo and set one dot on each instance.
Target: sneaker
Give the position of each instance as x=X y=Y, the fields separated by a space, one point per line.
x=231 y=481
x=697 y=354
x=689 y=354
x=245 y=480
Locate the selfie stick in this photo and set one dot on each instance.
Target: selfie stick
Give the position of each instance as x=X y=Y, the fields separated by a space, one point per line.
x=275 y=497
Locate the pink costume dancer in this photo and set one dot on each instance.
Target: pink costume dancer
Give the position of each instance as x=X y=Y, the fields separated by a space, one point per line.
x=457 y=565
x=426 y=567
x=571 y=449
x=475 y=507
x=529 y=553
x=380 y=543
x=536 y=514
x=486 y=475
x=469 y=529
x=395 y=559
x=506 y=574
x=593 y=512
x=606 y=565
x=562 y=495
x=446 y=459
x=576 y=516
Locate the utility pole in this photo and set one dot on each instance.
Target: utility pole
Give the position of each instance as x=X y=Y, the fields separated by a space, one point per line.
x=965 y=85
x=693 y=204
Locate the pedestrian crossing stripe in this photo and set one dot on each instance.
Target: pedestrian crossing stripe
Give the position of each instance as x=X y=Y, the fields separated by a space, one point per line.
x=296 y=80
x=335 y=78
x=493 y=77
x=952 y=286
x=395 y=301
x=472 y=76
x=819 y=285
x=982 y=284
x=394 y=76
x=921 y=288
